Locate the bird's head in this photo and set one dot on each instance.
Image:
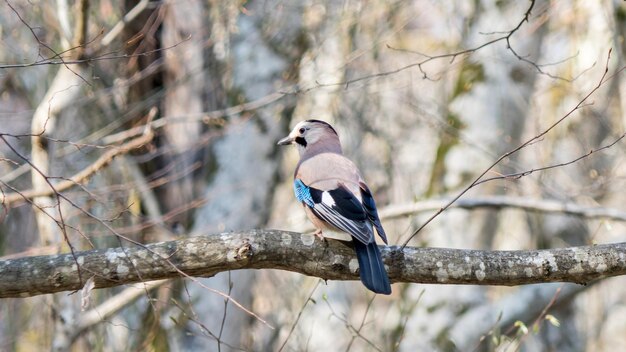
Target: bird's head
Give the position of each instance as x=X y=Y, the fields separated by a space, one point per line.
x=311 y=135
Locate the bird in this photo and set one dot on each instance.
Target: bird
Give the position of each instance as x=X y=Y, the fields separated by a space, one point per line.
x=335 y=197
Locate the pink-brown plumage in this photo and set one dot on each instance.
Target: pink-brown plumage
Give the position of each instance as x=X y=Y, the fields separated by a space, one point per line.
x=334 y=196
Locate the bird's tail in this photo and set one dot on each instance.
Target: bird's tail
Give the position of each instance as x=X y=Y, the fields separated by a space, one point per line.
x=372 y=269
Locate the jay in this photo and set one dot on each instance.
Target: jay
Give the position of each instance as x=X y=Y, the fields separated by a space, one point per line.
x=335 y=197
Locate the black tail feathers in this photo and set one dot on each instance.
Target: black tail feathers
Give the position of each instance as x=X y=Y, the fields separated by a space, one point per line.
x=372 y=269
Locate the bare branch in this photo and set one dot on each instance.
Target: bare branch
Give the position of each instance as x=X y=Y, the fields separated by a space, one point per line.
x=113 y=55
x=205 y=256
x=110 y=307
x=41 y=44
x=504 y=36
x=117 y=29
x=518 y=175
x=525 y=203
x=80 y=29
x=215 y=117
x=295 y=323
x=84 y=174
x=603 y=79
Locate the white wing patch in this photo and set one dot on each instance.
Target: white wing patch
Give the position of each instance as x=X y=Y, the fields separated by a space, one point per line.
x=328 y=199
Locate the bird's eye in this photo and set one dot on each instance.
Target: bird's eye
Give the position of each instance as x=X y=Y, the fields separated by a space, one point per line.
x=302 y=130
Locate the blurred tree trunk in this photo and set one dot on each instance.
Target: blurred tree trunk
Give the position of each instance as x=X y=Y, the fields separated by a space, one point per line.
x=50 y=212
x=245 y=63
x=326 y=34
x=185 y=78
x=489 y=108
x=415 y=131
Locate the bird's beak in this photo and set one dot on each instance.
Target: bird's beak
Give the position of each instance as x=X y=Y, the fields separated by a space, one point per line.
x=285 y=141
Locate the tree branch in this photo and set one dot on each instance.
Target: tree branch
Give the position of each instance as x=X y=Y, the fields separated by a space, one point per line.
x=109 y=308
x=84 y=174
x=498 y=202
x=603 y=79
x=331 y=260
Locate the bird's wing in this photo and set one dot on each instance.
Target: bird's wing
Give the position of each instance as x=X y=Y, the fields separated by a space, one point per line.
x=338 y=207
x=370 y=208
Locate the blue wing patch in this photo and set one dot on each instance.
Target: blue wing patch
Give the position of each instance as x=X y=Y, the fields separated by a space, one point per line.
x=303 y=193
x=340 y=209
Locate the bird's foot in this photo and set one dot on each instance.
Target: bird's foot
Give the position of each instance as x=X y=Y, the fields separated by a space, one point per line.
x=320 y=235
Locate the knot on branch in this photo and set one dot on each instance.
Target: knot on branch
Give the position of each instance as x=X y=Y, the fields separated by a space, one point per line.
x=244 y=252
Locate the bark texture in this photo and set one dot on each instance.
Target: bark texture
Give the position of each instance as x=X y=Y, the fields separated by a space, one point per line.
x=330 y=260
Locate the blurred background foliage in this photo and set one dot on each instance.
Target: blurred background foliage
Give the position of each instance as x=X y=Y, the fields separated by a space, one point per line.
x=228 y=78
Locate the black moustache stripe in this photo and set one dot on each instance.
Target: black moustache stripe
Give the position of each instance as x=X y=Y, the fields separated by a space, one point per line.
x=301 y=141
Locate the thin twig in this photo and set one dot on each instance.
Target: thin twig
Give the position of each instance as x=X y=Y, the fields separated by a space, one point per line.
x=295 y=323
x=111 y=306
x=350 y=327
x=84 y=174
x=520 y=202
x=518 y=175
x=219 y=336
x=601 y=82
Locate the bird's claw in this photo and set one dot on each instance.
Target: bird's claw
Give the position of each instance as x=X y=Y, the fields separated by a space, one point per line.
x=320 y=235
